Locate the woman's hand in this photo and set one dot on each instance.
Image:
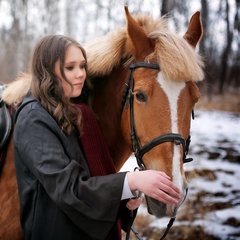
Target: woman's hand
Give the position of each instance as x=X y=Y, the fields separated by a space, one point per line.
x=155 y=184
x=134 y=203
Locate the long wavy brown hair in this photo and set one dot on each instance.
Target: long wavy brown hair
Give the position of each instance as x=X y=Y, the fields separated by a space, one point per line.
x=47 y=88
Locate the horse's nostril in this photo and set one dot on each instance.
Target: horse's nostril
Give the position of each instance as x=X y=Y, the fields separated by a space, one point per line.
x=186 y=192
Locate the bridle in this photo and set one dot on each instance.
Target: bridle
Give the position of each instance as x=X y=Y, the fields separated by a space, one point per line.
x=137 y=148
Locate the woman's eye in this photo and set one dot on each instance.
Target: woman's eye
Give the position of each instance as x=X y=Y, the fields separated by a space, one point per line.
x=69 y=68
x=83 y=66
x=141 y=97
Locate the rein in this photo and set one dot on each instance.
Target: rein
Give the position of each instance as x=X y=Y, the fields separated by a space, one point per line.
x=137 y=148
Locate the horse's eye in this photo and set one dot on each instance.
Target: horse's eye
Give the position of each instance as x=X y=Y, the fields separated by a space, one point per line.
x=141 y=97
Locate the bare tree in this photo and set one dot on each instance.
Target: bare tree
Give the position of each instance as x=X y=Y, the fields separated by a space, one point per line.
x=51 y=17
x=11 y=44
x=176 y=10
x=84 y=19
x=234 y=76
x=203 y=47
x=227 y=50
x=165 y=7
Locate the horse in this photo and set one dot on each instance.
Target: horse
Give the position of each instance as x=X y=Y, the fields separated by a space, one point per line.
x=144 y=88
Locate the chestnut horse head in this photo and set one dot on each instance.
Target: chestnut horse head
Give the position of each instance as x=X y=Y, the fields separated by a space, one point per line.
x=144 y=91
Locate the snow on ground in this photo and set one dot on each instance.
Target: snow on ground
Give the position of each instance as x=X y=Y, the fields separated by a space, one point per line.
x=215 y=148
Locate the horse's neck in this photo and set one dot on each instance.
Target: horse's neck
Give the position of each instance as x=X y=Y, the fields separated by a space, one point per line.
x=106 y=104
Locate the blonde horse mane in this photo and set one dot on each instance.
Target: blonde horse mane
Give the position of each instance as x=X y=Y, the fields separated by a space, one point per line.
x=15 y=92
x=177 y=59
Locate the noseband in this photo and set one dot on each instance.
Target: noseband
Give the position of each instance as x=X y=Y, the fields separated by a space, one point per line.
x=137 y=148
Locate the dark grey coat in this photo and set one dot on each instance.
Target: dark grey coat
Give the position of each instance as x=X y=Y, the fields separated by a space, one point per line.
x=58 y=198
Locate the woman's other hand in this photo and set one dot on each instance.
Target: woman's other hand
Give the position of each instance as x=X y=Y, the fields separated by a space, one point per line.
x=134 y=203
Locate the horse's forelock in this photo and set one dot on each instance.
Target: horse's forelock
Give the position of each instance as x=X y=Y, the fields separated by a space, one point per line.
x=177 y=59
x=150 y=25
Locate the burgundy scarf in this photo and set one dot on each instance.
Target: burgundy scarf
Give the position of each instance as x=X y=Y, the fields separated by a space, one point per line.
x=99 y=160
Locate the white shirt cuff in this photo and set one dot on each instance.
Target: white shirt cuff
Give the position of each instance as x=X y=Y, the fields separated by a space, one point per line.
x=126 y=193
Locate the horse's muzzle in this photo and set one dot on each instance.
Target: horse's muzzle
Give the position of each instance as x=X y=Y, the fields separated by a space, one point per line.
x=160 y=209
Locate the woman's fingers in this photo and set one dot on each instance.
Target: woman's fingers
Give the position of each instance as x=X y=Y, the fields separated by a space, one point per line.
x=165 y=197
x=155 y=184
x=168 y=187
x=167 y=192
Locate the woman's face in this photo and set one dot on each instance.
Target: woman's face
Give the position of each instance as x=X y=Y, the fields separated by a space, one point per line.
x=75 y=71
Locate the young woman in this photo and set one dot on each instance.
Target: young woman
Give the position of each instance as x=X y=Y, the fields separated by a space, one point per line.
x=60 y=198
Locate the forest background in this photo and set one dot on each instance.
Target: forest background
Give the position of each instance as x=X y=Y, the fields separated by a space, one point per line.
x=23 y=22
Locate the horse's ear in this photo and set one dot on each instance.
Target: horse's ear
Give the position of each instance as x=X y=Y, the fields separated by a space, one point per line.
x=195 y=30
x=139 y=42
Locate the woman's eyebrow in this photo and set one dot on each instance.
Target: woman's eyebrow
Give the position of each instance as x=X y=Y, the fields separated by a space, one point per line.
x=83 y=61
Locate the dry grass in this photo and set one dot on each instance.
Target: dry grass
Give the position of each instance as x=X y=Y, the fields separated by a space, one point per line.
x=227 y=102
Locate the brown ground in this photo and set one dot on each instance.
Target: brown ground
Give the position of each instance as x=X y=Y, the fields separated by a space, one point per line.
x=226 y=102
x=196 y=209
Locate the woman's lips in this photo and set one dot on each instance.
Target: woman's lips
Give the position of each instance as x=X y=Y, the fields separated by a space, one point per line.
x=78 y=84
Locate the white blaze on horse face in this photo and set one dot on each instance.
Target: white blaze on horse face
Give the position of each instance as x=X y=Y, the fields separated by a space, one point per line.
x=173 y=90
